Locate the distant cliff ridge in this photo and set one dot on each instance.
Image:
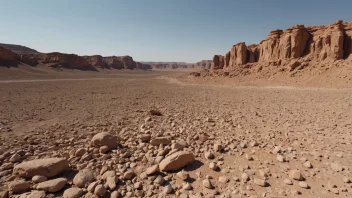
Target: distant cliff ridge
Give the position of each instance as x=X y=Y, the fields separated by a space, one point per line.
x=11 y=55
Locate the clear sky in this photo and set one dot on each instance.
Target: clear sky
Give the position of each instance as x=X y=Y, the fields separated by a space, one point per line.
x=156 y=30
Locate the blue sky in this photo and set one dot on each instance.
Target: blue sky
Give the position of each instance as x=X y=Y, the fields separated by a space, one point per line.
x=156 y=30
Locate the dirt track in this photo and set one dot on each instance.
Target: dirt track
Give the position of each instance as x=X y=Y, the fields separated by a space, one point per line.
x=312 y=123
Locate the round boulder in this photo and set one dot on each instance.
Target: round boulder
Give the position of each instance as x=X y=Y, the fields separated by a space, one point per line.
x=105 y=139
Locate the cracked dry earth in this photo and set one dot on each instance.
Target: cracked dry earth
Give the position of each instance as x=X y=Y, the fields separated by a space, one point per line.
x=98 y=137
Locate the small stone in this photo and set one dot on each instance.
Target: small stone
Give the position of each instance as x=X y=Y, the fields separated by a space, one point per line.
x=218 y=147
x=303 y=184
x=80 y=152
x=280 y=158
x=346 y=180
x=159 y=180
x=145 y=138
x=336 y=167
x=167 y=189
x=213 y=166
x=245 y=177
x=15 y=158
x=207 y=183
x=105 y=139
x=288 y=182
x=187 y=186
x=335 y=190
x=160 y=140
x=295 y=174
x=104 y=149
x=111 y=182
x=209 y=155
x=129 y=175
x=277 y=150
x=182 y=175
x=100 y=190
x=83 y=178
x=18 y=186
x=39 y=178
x=73 y=193
x=53 y=185
x=307 y=164
x=224 y=179
x=153 y=169
x=116 y=194
x=260 y=182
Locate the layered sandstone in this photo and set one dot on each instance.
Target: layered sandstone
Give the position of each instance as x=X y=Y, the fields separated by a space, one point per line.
x=292 y=47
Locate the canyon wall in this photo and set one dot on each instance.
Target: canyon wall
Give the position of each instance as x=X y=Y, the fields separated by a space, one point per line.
x=294 y=47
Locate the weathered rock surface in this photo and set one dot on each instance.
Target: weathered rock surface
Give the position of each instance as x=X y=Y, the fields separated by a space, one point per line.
x=48 y=167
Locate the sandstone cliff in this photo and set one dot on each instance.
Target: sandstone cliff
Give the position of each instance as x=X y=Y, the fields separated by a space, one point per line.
x=295 y=48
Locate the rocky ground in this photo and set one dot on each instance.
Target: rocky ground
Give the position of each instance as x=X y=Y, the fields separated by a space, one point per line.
x=162 y=134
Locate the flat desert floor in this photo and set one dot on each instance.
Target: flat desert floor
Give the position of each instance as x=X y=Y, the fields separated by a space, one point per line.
x=265 y=134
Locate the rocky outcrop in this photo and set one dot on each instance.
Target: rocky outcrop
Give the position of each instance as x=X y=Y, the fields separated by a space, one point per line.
x=293 y=46
x=70 y=61
x=204 y=64
x=219 y=61
x=7 y=56
x=96 y=61
x=11 y=55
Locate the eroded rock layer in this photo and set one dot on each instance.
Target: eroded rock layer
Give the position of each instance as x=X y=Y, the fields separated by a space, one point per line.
x=298 y=45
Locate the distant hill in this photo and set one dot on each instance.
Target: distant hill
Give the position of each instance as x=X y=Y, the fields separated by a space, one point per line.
x=19 y=49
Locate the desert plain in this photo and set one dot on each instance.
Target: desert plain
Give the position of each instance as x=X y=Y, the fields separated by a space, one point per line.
x=246 y=140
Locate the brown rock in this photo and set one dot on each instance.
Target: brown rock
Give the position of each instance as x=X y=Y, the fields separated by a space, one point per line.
x=73 y=193
x=53 y=185
x=176 y=161
x=48 y=167
x=105 y=139
x=18 y=186
x=160 y=140
x=83 y=178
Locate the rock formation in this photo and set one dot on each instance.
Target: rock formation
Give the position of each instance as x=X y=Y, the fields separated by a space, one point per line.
x=298 y=45
x=11 y=55
x=204 y=64
x=7 y=56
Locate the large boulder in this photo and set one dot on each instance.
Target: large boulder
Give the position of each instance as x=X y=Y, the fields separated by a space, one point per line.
x=48 y=167
x=105 y=139
x=176 y=161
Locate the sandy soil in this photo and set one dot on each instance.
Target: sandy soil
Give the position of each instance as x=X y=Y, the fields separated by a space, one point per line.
x=309 y=124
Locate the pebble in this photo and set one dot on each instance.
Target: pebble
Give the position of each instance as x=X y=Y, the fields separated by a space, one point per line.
x=207 y=184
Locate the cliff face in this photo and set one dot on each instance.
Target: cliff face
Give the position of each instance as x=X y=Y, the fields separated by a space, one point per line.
x=293 y=46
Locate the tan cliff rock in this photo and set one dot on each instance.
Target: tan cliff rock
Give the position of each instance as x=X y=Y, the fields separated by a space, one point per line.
x=298 y=45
